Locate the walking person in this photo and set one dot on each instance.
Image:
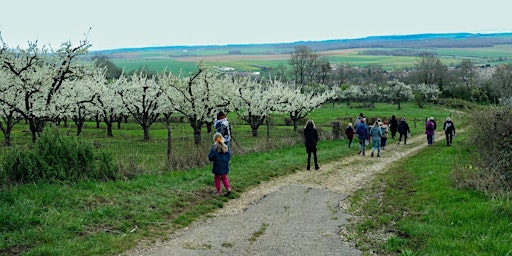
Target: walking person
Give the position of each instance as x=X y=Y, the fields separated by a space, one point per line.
x=449 y=131
x=429 y=131
x=393 y=125
x=362 y=136
x=375 y=135
x=384 y=138
x=403 y=129
x=435 y=127
x=220 y=156
x=358 y=120
x=222 y=126
x=311 y=136
x=350 y=134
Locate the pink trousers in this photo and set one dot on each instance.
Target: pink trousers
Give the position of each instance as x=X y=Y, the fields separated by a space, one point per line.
x=217 y=178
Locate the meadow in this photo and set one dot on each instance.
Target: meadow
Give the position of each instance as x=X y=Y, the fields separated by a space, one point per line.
x=107 y=218
x=258 y=58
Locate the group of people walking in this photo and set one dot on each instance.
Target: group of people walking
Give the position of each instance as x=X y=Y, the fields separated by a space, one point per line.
x=375 y=133
x=448 y=128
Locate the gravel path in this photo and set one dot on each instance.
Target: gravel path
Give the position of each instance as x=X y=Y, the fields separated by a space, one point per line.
x=300 y=214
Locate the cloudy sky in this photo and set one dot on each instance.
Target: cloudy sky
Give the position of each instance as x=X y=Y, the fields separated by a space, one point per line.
x=111 y=24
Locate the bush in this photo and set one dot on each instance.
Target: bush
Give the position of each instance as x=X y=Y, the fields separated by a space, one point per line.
x=55 y=157
x=492 y=136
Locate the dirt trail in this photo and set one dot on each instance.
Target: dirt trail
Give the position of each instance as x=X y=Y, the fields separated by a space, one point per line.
x=300 y=214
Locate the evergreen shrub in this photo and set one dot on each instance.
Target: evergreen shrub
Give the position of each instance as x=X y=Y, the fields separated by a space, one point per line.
x=56 y=157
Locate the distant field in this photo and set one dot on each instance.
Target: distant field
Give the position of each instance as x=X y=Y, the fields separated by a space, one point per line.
x=246 y=58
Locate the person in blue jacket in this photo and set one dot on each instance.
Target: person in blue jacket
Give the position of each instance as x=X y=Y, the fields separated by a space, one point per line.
x=362 y=136
x=220 y=156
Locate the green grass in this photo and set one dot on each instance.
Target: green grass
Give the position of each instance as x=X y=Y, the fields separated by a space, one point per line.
x=107 y=218
x=424 y=213
x=157 y=60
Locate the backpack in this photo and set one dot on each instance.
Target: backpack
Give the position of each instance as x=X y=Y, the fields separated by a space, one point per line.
x=225 y=130
x=384 y=131
x=360 y=130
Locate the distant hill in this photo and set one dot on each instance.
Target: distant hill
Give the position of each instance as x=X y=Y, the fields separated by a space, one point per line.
x=449 y=40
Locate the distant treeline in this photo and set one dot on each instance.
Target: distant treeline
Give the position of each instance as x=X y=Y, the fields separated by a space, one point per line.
x=398 y=52
x=415 y=41
x=453 y=40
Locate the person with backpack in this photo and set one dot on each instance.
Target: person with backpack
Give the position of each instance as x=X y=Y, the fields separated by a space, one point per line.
x=449 y=131
x=429 y=131
x=350 y=133
x=362 y=136
x=311 y=136
x=222 y=126
x=220 y=156
x=375 y=135
x=358 y=120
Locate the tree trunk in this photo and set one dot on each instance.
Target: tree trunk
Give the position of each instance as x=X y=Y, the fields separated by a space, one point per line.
x=146 y=132
x=254 y=131
x=97 y=121
x=108 y=122
x=197 y=136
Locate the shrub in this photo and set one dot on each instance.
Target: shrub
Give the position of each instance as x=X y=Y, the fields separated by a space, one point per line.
x=492 y=135
x=56 y=157
x=337 y=130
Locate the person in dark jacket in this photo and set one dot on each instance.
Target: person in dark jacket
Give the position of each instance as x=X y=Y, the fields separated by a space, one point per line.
x=362 y=136
x=350 y=131
x=393 y=125
x=403 y=129
x=220 y=156
x=311 y=136
x=449 y=131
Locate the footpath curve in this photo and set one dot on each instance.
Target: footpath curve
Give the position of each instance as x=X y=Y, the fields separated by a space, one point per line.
x=299 y=214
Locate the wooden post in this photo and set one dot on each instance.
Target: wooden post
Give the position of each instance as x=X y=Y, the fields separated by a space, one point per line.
x=169 y=145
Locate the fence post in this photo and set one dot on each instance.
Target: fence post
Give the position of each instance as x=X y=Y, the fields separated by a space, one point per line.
x=169 y=145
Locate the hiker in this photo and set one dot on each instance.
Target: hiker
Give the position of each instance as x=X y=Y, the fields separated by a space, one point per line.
x=384 y=138
x=403 y=129
x=222 y=126
x=358 y=120
x=311 y=136
x=393 y=125
x=220 y=156
x=375 y=135
x=449 y=131
x=362 y=135
x=350 y=131
x=429 y=131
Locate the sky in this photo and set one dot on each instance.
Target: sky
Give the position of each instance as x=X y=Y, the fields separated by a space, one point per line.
x=113 y=24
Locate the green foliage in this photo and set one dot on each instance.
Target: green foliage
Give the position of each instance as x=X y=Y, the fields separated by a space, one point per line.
x=56 y=157
x=490 y=171
x=458 y=104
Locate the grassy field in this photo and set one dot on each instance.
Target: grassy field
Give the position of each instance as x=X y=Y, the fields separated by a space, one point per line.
x=416 y=209
x=254 y=58
x=107 y=218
